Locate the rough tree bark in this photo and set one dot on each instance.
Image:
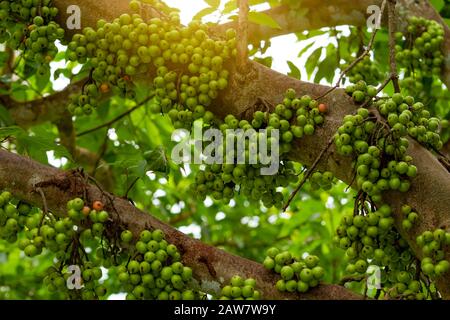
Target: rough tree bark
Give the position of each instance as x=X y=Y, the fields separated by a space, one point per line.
x=212 y=267
x=430 y=189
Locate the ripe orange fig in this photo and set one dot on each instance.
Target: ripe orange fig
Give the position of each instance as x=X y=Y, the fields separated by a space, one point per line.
x=323 y=108
x=104 y=88
x=97 y=205
x=86 y=210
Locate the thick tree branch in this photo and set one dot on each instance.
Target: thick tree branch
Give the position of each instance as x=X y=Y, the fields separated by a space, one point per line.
x=446 y=149
x=212 y=267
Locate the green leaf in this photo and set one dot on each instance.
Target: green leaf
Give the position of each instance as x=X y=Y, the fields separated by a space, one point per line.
x=19 y=91
x=305 y=49
x=213 y=3
x=36 y=144
x=153 y=132
x=263 y=19
x=29 y=69
x=12 y=131
x=63 y=71
x=4 y=91
x=438 y=4
x=128 y=163
x=3 y=57
x=42 y=81
x=231 y=5
x=307 y=35
x=5 y=116
x=141 y=168
x=311 y=63
x=267 y=61
x=203 y=13
x=157 y=160
x=447 y=20
x=60 y=56
x=295 y=72
x=326 y=69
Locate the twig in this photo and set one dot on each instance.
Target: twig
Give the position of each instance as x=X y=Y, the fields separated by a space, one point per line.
x=119 y=117
x=356 y=61
x=131 y=187
x=44 y=200
x=382 y=86
x=378 y=294
x=392 y=61
x=45 y=207
x=444 y=161
x=39 y=8
x=181 y=217
x=105 y=194
x=338 y=45
x=351 y=181
x=101 y=153
x=242 y=45
x=16 y=64
x=9 y=65
x=308 y=173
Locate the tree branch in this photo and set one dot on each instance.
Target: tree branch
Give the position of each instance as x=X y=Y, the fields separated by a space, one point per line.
x=212 y=267
x=392 y=30
x=242 y=44
x=446 y=149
